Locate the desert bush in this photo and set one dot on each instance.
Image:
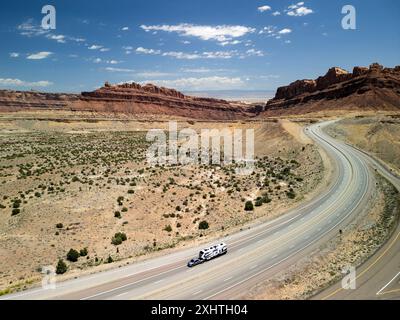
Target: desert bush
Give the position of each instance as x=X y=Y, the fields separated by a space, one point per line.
x=15 y=212
x=59 y=225
x=117 y=214
x=118 y=238
x=203 y=225
x=83 y=252
x=61 y=267
x=72 y=255
x=249 y=206
x=168 y=228
x=291 y=194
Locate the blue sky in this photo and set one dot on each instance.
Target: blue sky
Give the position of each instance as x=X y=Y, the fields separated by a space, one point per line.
x=190 y=45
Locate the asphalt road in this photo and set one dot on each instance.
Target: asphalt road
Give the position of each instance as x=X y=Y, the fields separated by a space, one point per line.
x=254 y=254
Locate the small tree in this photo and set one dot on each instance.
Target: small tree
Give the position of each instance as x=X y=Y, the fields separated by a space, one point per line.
x=249 y=206
x=118 y=238
x=110 y=259
x=59 y=225
x=72 y=255
x=168 y=228
x=203 y=225
x=61 y=267
x=83 y=252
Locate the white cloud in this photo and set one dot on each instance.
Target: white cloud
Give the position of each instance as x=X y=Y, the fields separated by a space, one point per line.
x=59 y=38
x=125 y=29
x=182 y=55
x=21 y=83
x=264 y=8
x=198 y=55
x=113 y=61
x=30 y=29
x=95 y=47
x=151 y=74
x=147 y=51
x=196 y=70
x=254 y=52
x=97 y=60
x=111 y=69
x=14 y=54
x=40 y=55
x=285 y=31
x=104 y=49
x=186 y=42
x=206 y=83
x=272 y=31
x=276 y=13
x=225 y=43
x=204 y=32
x=298 y=10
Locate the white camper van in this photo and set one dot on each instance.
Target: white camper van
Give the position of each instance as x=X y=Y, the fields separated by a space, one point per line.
x=209 y=253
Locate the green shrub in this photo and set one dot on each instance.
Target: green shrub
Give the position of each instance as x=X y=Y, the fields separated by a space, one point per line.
x=59 y=225
x=83 y=252
x=291 y=194
x=168 y=228
x=117 y=214
x=110 y=259
x=61 y=267
x=249 y=206
x=72 y=255
x=118 y=238
x=15 y=212
x=130 y=191
x=203 y=225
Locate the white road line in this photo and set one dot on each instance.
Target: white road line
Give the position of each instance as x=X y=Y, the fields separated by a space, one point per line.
x=274 y=256
x=379 y=292
x=127 y=285
x=227 y=279
x=197 y=292
x=158 y=281
x=253 y=267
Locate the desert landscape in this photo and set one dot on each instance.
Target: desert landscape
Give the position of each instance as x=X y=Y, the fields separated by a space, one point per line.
x=76 y=187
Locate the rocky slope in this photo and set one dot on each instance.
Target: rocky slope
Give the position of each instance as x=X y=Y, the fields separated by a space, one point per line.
x=131 y=99
x=370 y=88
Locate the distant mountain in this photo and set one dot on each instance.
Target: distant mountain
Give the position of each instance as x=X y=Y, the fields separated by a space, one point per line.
x=373 y=88
x=130 y=99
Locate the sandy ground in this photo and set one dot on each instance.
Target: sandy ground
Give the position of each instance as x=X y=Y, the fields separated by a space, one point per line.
x=71 y=171
x=378 y=135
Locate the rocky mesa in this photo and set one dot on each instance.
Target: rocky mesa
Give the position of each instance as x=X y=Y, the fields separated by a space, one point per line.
x=130 y=99
x=366 y=88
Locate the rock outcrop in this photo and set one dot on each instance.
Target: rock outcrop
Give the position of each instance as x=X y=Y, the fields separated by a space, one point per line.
x=131 y=99
x=365 y=88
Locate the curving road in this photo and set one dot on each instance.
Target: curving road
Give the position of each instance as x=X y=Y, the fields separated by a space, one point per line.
x=255 y=254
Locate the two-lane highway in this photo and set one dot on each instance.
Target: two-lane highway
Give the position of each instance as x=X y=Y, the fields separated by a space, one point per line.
x=254 y=255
